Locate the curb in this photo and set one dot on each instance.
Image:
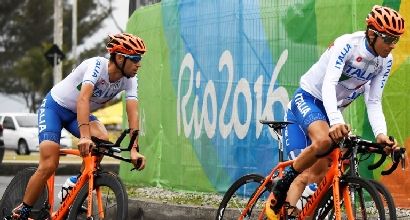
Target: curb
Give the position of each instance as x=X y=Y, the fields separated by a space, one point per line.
x=152 y=210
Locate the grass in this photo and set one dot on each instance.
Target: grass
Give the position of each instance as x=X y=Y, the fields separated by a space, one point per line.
x=179 y=197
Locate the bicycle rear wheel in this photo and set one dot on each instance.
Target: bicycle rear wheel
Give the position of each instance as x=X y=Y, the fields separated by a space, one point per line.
x=387 y=199
x=238 y=196
x=365 y=200
x=114 y=199
x=14 y=193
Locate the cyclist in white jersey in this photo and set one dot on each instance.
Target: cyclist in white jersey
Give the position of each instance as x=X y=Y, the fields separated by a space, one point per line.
x=354 y=64
x=69 y=104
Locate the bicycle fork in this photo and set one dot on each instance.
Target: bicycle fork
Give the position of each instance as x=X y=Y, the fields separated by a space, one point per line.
x=92 y=164
x=340 y=190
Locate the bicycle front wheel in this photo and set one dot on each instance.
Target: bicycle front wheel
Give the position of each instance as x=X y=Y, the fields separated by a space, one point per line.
x=387 y=199
x=114 y=199
x=365 y=201
x=238 y=196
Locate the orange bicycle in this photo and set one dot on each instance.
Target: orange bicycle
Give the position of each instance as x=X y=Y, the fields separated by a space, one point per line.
x=339 y=196
x=96 y=195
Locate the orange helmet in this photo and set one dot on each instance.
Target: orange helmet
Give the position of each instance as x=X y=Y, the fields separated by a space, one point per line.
x=386 y=20
x=126 y=44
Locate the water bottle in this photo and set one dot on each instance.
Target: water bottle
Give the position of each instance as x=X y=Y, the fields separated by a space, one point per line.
x=67 y=186
x=307 y=193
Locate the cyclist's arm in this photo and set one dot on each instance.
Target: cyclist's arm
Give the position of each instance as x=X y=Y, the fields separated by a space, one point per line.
x=374 y=100
x=132 y=104
x=91 y=75
x=83 y=109
x=339 y=53
x=132 y=113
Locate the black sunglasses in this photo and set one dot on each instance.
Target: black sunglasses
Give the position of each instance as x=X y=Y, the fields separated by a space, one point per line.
x=135 y=58
x=388 y=39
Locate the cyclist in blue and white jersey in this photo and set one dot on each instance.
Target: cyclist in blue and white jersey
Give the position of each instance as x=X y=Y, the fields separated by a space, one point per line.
x=353 y=64
x=70 y=102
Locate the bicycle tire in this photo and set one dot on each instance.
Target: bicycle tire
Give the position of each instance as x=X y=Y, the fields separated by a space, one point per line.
x=1 y=151
x=78 y=210
x=364 y=189
x=14 y=193
x=238 y=195
x=387 y=199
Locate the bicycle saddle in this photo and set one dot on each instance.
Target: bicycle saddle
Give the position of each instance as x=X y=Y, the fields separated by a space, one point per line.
x=276 y=124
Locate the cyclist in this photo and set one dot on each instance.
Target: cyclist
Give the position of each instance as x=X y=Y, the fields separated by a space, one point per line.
x=353 y=62
x=69 y=103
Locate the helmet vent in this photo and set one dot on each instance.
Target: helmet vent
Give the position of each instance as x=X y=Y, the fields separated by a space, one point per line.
x=128 y=47
x=386 y=19
x=401 y=24
x=379 y=22
x=133 y=44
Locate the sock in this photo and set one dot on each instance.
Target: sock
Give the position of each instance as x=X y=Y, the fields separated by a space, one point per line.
x=289 y=175
x=25 y=211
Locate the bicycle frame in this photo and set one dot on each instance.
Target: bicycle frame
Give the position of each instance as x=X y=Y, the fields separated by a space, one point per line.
x=332 y=178
x=279 y=168
x=90 y=167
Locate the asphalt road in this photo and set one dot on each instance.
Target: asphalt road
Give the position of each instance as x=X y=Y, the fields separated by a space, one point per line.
x=59 y=181
x=4 y=181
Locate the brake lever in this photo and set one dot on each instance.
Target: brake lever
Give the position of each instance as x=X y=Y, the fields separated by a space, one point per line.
x=403 y=163
x=403 y=158
x=396 y=158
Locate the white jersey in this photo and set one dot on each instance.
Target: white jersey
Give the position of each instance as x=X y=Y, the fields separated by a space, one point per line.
x=346 y=70
x=92 y=71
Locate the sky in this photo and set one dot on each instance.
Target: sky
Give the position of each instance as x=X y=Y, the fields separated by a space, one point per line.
x=120 y=14
x=12 y=103
x=17 y=104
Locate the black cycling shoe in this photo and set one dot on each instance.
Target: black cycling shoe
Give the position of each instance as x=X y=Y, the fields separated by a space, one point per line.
x=17 y=214
x=279 y=191
x=280 y=187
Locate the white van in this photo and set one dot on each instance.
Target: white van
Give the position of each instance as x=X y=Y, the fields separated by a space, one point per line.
x=20 y=132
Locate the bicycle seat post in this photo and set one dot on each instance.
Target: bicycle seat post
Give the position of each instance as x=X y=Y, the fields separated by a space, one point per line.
x=277 y=127
x=278 y=132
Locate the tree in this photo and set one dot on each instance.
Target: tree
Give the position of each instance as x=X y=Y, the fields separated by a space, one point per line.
x=26 y=32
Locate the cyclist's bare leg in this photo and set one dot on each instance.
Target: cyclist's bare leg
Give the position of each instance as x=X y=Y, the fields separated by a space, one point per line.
x=319 y=169
x=313 y=174
x=49 y=156
x=296 y=190
x=98 y=130
x=318 y=133
x=297 y=187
